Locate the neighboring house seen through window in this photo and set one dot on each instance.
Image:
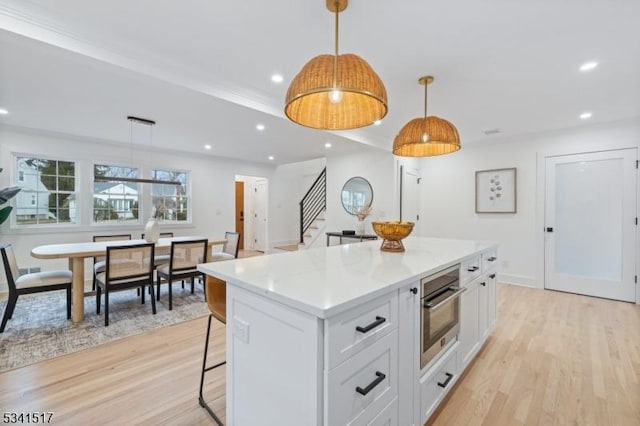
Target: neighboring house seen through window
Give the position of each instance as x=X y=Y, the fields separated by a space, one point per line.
x=48 y=193
x=170 y=202
x=113 y=201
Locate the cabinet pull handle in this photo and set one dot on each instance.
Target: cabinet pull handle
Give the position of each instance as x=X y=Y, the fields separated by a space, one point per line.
x=483 y=284
x=414 y=290
x=473 y=269
x=492 y=276
x=373 y=384
x=446 y=382
x=377 y=322
x=492 y=259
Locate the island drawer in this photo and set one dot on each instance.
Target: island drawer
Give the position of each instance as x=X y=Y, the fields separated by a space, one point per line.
x=437 y=382
x=470 y=269
x=350 y=332
x=489 y=259
x=362 y=387
x=388 y=416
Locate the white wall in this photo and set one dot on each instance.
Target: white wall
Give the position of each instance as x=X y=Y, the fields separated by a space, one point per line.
x=289 y=183
x=380 y=168
x=448 y=192
x=212 y=189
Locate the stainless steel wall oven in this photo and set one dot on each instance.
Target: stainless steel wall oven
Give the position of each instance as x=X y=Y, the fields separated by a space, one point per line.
x=440 y=312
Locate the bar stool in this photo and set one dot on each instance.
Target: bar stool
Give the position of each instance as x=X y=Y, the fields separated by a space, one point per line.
x=216 y=294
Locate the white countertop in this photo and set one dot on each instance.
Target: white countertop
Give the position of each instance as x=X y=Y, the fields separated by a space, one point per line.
x=326 y=281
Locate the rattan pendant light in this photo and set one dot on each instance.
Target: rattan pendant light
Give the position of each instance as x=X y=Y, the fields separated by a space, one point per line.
x=336 y=92
x=426 y=136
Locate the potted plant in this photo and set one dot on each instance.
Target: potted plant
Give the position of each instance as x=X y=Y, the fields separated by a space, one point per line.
x=5 y=195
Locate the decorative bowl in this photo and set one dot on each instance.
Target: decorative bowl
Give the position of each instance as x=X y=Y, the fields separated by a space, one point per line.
x=392 y=234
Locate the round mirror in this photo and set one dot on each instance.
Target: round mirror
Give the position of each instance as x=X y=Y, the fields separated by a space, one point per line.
x=357 y=193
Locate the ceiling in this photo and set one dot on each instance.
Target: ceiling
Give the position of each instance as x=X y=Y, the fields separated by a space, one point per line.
x=202 y=69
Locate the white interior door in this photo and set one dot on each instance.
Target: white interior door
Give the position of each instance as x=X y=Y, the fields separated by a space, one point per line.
x=410 y=203
x=590 y=224
x=260 y=219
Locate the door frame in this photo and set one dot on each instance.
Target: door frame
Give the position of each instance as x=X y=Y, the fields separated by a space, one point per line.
x=541 y=159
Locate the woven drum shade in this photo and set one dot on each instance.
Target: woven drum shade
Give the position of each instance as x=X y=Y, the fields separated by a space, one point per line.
x=442 y=138
x=364 y=97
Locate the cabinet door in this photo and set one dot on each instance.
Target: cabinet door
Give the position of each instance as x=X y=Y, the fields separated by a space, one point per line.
x=491 y=299
x=468 y=322
x=483 y=297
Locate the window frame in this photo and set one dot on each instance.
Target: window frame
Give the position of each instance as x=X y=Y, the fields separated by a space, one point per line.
x=75 y=194
x=187 y=195
x=140 y=197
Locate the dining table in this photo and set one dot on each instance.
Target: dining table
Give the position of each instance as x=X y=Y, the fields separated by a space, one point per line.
x=78 y=252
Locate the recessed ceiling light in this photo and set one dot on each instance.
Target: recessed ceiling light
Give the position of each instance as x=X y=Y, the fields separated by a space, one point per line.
x=327 y=145
x=585 y=115
x=3 y=111
x=271 y=157
x=491 y=131
x=207 y=146
x=277 y=78
x=588 y=66
x=260 y=127
x=377 y=122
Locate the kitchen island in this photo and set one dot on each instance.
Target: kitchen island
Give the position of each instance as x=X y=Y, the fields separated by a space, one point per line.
x=296 y=350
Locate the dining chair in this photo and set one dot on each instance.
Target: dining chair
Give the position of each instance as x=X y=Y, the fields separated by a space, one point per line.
x=30 y=283
x=184 y=259
x=162 y=255
x=129 y=266
x=230 y=248
x=216 y=295
x=99 y=262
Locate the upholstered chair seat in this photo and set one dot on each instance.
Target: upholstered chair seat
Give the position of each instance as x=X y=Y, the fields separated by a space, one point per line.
x=40 y=279
x=219 y=256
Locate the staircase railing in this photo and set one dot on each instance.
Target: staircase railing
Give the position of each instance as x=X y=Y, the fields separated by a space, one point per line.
x=313 y=203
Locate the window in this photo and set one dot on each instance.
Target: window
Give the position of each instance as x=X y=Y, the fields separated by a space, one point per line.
x=48 y=193
x=113 y=201
x=170 y=202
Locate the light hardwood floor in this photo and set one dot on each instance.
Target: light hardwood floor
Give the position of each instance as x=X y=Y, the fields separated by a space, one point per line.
x=554 y=358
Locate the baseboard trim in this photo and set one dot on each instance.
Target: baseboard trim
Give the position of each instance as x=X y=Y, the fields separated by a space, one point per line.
x=519 y=280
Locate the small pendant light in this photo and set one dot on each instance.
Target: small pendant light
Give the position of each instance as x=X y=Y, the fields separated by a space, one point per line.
x=426 y=136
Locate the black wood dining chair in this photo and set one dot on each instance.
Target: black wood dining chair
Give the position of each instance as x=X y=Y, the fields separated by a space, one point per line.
x=185 y=257
x=129 y=266
x=36 y=282
x=99 y=262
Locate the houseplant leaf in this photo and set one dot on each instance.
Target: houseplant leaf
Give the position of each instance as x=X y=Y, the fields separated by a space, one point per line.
x=8 y=193
x=4 y=213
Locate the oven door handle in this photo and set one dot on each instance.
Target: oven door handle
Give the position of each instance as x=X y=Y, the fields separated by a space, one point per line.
x=458 y=291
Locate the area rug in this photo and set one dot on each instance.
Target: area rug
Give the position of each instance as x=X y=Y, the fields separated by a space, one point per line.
x=39 y=329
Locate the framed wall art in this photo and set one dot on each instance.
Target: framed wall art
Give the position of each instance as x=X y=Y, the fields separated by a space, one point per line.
x=496 y=191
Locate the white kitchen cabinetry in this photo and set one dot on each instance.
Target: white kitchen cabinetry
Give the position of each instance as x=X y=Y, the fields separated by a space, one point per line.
x=331 y=336
x=478 y=308
x=469 y=335
x=342 y=369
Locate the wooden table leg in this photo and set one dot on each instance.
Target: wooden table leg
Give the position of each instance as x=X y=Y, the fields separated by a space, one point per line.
x=77 y=289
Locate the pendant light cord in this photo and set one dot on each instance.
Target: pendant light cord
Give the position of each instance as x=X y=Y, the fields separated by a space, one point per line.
x=131 y=147
x=425 y=100
x=335 y=58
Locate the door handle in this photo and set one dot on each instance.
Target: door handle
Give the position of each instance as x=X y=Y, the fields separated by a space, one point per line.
x=549 y=229
x=458 y=291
